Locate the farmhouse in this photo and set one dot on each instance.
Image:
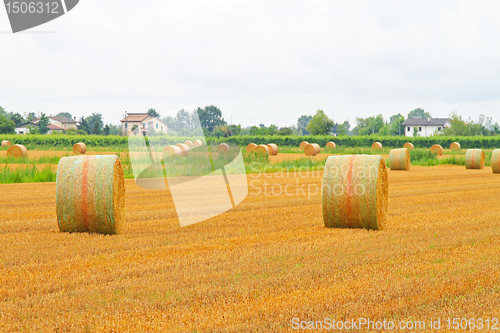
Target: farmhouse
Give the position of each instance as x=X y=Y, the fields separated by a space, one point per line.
x=62 y=122
x=56 y=124
x=26 y=127
x=425 y=126
x=142 y=121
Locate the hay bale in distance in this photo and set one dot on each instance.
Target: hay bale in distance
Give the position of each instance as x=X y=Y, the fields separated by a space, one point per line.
x=197 y=143
x=409 y=146
x=303 y=144
x=355 y=192
x=331 y=145
x=79 y=148
x=495 y=161
x=455 y=146
x=475 y=159
x=90 y=194
x=184 y=149
x=262 y=149
x=273 y=149
x=376 y=146
x=6 y=143
x=312 y=149
x=17 y=151
x=399 y=159
x=223 y=148
x=172 y=150
x=251 y=147
x=437 y=149
x=189 y=143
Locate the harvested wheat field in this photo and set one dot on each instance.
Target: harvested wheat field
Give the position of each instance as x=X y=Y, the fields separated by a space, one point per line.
x=257 y=267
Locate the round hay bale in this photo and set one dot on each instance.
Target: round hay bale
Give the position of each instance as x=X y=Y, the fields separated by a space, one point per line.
x=6 y=143
x=273 y=149
x=79 y=148
x=303 y=144
x=376 y=146
x=399 y=159
x=475 y=159
x=90 y=194
x=262 y=149
x=189 y=143
x=409 y=146
x=312 y=149
x=331 y=145
x=251 y=147
x=355 y=192
x=223 y=148
x=197 y=143
x=172 y=150
x=184 y=149
x=437 y=149
x=455 y=146
x=495 y=161
x=17 y=151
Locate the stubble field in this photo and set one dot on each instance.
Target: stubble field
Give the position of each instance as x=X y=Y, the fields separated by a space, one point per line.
x=258 y=266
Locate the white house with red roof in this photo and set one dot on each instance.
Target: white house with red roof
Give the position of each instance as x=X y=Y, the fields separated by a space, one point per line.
x=143 y=122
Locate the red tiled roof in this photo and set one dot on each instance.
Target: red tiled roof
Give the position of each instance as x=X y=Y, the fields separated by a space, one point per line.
x=135 y=117
x=54 y=127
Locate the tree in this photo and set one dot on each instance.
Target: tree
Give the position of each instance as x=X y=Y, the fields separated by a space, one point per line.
x=95 y=123
x=285 y=131
x=16 y=118
x=415 y=132
x=65 y=114
x=234 y=129
x=83 y=125
x=7 y=126
x=152 y=112
x=341 y=130
x=105 y=130
x=320 y=124
x=210 y=117
x=385 y=130
x=43 y=124
x=370 y=125
x=302 y=123
x=30 y=116
x=419 y=113
x=396 y=128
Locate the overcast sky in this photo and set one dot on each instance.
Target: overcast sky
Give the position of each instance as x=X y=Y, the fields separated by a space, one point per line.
x=258 y=61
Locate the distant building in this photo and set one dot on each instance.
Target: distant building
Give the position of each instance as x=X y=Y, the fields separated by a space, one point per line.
x=425 y=126
x=143 y=121
x=26 y=127
x=63 y=122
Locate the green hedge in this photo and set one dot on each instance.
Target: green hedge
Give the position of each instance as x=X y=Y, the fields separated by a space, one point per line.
x=486 y=142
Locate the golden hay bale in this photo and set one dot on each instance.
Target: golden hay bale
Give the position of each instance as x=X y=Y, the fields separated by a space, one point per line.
x=331 y=145
x=355 y=192
x=223 y=148
x=197 y=143
x=17 y=151
x=312 y=149
x=303 y=144
x=184 y=149
x=376 y=146
x=475 y=159
x=495 y=161
x=273 y=149
x=6 y=143
x=437 y=149
x=90 y=194
x=251 y=147
x=79 y=148
x=262 y=149
x=409 y=146
x=399 y=159
x=189 y=143
x=172 y=150
x=455 y=146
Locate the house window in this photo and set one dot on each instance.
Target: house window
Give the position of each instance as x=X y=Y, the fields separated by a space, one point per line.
x=420 y=129
x=439 y=128
x=126 y=125
x=162 y=128
x=408 y=128
x=156 y=126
